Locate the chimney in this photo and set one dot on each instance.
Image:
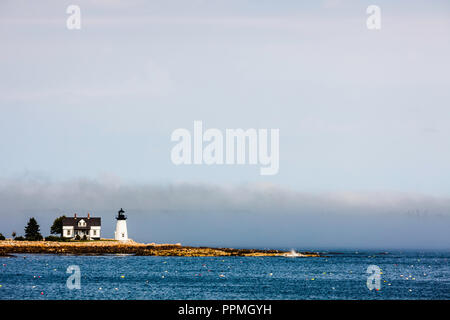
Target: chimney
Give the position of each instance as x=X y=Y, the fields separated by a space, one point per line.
x=89 y=215
x=74 y=215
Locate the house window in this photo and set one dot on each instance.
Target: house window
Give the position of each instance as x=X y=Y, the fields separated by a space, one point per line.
x=68 y=232
x=95 y=232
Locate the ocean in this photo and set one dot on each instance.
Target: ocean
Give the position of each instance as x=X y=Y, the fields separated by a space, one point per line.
x=404 y=275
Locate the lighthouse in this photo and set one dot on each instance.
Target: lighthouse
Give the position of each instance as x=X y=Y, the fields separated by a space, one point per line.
x=121 y=226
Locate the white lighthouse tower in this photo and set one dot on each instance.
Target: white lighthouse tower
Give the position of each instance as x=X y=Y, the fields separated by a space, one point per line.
x=121 y=232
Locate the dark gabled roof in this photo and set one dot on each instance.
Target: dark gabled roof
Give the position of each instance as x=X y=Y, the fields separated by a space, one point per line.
x=90 y=222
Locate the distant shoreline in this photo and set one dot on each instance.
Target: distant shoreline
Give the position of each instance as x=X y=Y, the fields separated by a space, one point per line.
x=106 y=246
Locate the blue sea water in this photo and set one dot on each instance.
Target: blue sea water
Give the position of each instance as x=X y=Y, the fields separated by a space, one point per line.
x=405 y=275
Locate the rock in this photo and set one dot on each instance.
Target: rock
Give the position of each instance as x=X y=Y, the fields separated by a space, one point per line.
x=130 y=247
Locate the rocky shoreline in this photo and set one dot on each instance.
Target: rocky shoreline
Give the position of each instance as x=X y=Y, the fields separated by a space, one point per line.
x=102 y=247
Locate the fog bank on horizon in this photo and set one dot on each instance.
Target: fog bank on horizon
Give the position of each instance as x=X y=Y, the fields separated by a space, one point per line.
x=253 y=215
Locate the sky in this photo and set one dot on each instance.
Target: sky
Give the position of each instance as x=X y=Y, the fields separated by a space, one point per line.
x=363 y=115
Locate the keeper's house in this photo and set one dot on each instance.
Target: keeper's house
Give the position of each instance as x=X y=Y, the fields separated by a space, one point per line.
x=82 y=226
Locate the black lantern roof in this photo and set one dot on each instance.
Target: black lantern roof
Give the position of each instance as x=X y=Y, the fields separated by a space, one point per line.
x=120 y=215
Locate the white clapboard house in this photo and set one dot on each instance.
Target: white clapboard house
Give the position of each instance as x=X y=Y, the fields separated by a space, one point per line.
x=82 y=226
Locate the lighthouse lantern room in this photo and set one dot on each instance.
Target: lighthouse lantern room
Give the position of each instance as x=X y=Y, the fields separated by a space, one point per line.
x=121 y=232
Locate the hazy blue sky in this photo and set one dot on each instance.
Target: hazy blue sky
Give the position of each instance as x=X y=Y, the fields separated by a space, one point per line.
x=363 y=115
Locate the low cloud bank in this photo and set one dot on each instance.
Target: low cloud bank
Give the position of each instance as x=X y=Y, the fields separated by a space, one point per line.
x=257 y=215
